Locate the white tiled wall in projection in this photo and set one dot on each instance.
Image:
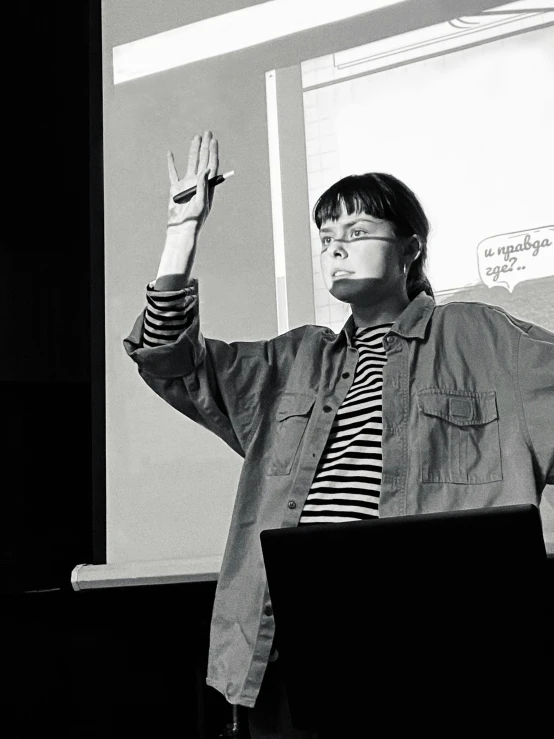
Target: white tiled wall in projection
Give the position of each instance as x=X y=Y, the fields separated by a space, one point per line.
x=448 y=110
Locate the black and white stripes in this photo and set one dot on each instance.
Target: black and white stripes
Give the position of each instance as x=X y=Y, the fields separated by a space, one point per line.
x=165 y=317
x=347 y=483
x=348 y=479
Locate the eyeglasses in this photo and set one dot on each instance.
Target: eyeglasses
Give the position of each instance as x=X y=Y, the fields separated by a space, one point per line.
x=390 y=239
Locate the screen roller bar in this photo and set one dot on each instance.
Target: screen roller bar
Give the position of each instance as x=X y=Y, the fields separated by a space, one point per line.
x=133 y=574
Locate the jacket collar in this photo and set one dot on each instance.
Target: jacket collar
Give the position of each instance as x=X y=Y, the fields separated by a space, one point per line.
x=411 y=323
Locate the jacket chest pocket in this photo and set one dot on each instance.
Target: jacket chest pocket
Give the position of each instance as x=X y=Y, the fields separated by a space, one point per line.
x=293 y=415
x=459 y=437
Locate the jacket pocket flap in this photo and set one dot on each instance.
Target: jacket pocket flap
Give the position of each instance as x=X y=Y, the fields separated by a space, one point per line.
x=462 y=410
x=294 y=404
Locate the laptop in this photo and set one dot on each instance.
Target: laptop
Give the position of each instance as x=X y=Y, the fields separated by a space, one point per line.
x=435 y=610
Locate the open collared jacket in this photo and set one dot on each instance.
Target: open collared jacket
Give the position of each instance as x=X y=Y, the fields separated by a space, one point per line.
x=468 y=422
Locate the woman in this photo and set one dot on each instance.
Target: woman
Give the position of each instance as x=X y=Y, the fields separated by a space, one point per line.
x=412 y=408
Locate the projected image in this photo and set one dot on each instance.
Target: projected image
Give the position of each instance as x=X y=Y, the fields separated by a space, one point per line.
x=462 y=112
x=459 y=109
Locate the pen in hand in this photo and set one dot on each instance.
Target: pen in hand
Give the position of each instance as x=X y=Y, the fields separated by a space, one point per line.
x=185 y=195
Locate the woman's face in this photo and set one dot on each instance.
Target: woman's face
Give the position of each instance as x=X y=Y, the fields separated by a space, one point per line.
x=361 y=258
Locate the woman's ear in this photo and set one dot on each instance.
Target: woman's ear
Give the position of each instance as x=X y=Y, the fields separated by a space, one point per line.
x=412 y=249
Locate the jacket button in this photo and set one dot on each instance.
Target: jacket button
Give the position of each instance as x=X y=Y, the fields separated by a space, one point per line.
x=291 y=504
x=268 y=610
x=327 y=408
x=390 y=339
x=345 y=375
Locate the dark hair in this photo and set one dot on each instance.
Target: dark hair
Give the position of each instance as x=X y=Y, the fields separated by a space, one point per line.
x=381 y=196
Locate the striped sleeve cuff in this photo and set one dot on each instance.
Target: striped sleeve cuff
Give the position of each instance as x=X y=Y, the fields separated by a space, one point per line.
x=167 y=313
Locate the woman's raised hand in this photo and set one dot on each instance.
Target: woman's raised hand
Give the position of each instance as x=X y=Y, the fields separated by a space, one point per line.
x=203 y=163
x=186 y=219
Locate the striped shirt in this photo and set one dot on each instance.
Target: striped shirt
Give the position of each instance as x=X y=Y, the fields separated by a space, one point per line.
x=165 y=317
x=347 y=482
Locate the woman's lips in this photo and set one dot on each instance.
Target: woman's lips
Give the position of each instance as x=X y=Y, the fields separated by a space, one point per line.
x=341 y=273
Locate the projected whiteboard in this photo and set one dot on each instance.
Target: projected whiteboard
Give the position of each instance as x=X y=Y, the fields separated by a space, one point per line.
x=469 y=129
x=171 y=484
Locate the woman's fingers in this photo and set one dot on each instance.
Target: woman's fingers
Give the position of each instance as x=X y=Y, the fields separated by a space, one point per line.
x=201 y=154
x=173 y=176
x=204 y=155
x=203 y=163
x=213 y=159
x=194 y=150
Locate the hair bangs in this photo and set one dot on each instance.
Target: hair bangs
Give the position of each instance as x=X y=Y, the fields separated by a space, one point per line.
x=353 y=194
x=382 y=196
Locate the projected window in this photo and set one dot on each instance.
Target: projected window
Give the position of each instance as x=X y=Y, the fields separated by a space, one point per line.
x=462 y=112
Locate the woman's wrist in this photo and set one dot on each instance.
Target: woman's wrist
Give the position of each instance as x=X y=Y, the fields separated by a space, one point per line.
x=181 y=236
x=171 y=283
x=177 y=258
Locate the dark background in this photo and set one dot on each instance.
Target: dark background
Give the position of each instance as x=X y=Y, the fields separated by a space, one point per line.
x=45 y=375
x=75 y=664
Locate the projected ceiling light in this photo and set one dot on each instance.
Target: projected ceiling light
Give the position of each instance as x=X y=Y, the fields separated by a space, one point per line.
x=231 y=32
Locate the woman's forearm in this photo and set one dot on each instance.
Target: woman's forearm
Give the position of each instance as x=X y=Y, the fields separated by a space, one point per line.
x=177 y=259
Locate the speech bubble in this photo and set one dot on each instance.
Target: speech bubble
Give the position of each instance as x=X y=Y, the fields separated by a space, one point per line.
x=511 y=258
